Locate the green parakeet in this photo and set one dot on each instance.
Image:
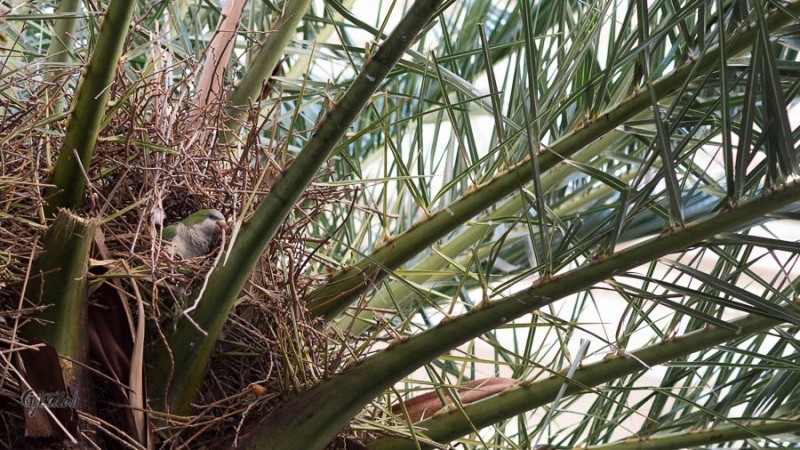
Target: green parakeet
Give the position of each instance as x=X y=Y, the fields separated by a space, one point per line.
x=192 y=236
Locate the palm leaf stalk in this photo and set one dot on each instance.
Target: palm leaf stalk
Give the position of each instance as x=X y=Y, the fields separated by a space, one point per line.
x=504 y=32
x=707 y=436
x=60 y=286
x=527 y=396
x=63 y=283
x=298 y=69
x=262 y=66
x=189 y=348
x=402 y=293
x=347 y=284
x=60 y=48
x=468 y=291
x=329 y=406
x=88 y=110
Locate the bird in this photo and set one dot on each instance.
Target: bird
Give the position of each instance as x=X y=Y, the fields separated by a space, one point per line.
x=191 y=237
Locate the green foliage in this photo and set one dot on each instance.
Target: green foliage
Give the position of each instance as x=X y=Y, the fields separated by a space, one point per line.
x=515 y=177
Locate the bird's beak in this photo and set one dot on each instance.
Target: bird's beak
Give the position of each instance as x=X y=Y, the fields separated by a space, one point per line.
x=222 y=225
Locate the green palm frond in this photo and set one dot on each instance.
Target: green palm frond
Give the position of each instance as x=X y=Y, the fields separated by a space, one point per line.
x=595 y=202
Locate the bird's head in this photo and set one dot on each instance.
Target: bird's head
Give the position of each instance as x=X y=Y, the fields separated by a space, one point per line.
x=208 y=220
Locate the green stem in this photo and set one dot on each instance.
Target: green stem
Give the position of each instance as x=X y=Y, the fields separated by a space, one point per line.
x=700 y=438
x=59 y=282
x=88 y=110
x=346 y=285
x=327 y=407
x=60 y=48
x=263 y=65
x=298 y=70
x=452 y=425
x=190 y=350
x=402 y=294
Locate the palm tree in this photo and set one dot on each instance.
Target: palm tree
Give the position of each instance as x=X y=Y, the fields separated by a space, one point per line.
x=504 y=224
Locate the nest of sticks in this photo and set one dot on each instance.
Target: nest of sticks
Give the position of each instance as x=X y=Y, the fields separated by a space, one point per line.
x=149 y=170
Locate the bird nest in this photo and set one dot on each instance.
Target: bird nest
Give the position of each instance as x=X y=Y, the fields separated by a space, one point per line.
x=150 y=169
